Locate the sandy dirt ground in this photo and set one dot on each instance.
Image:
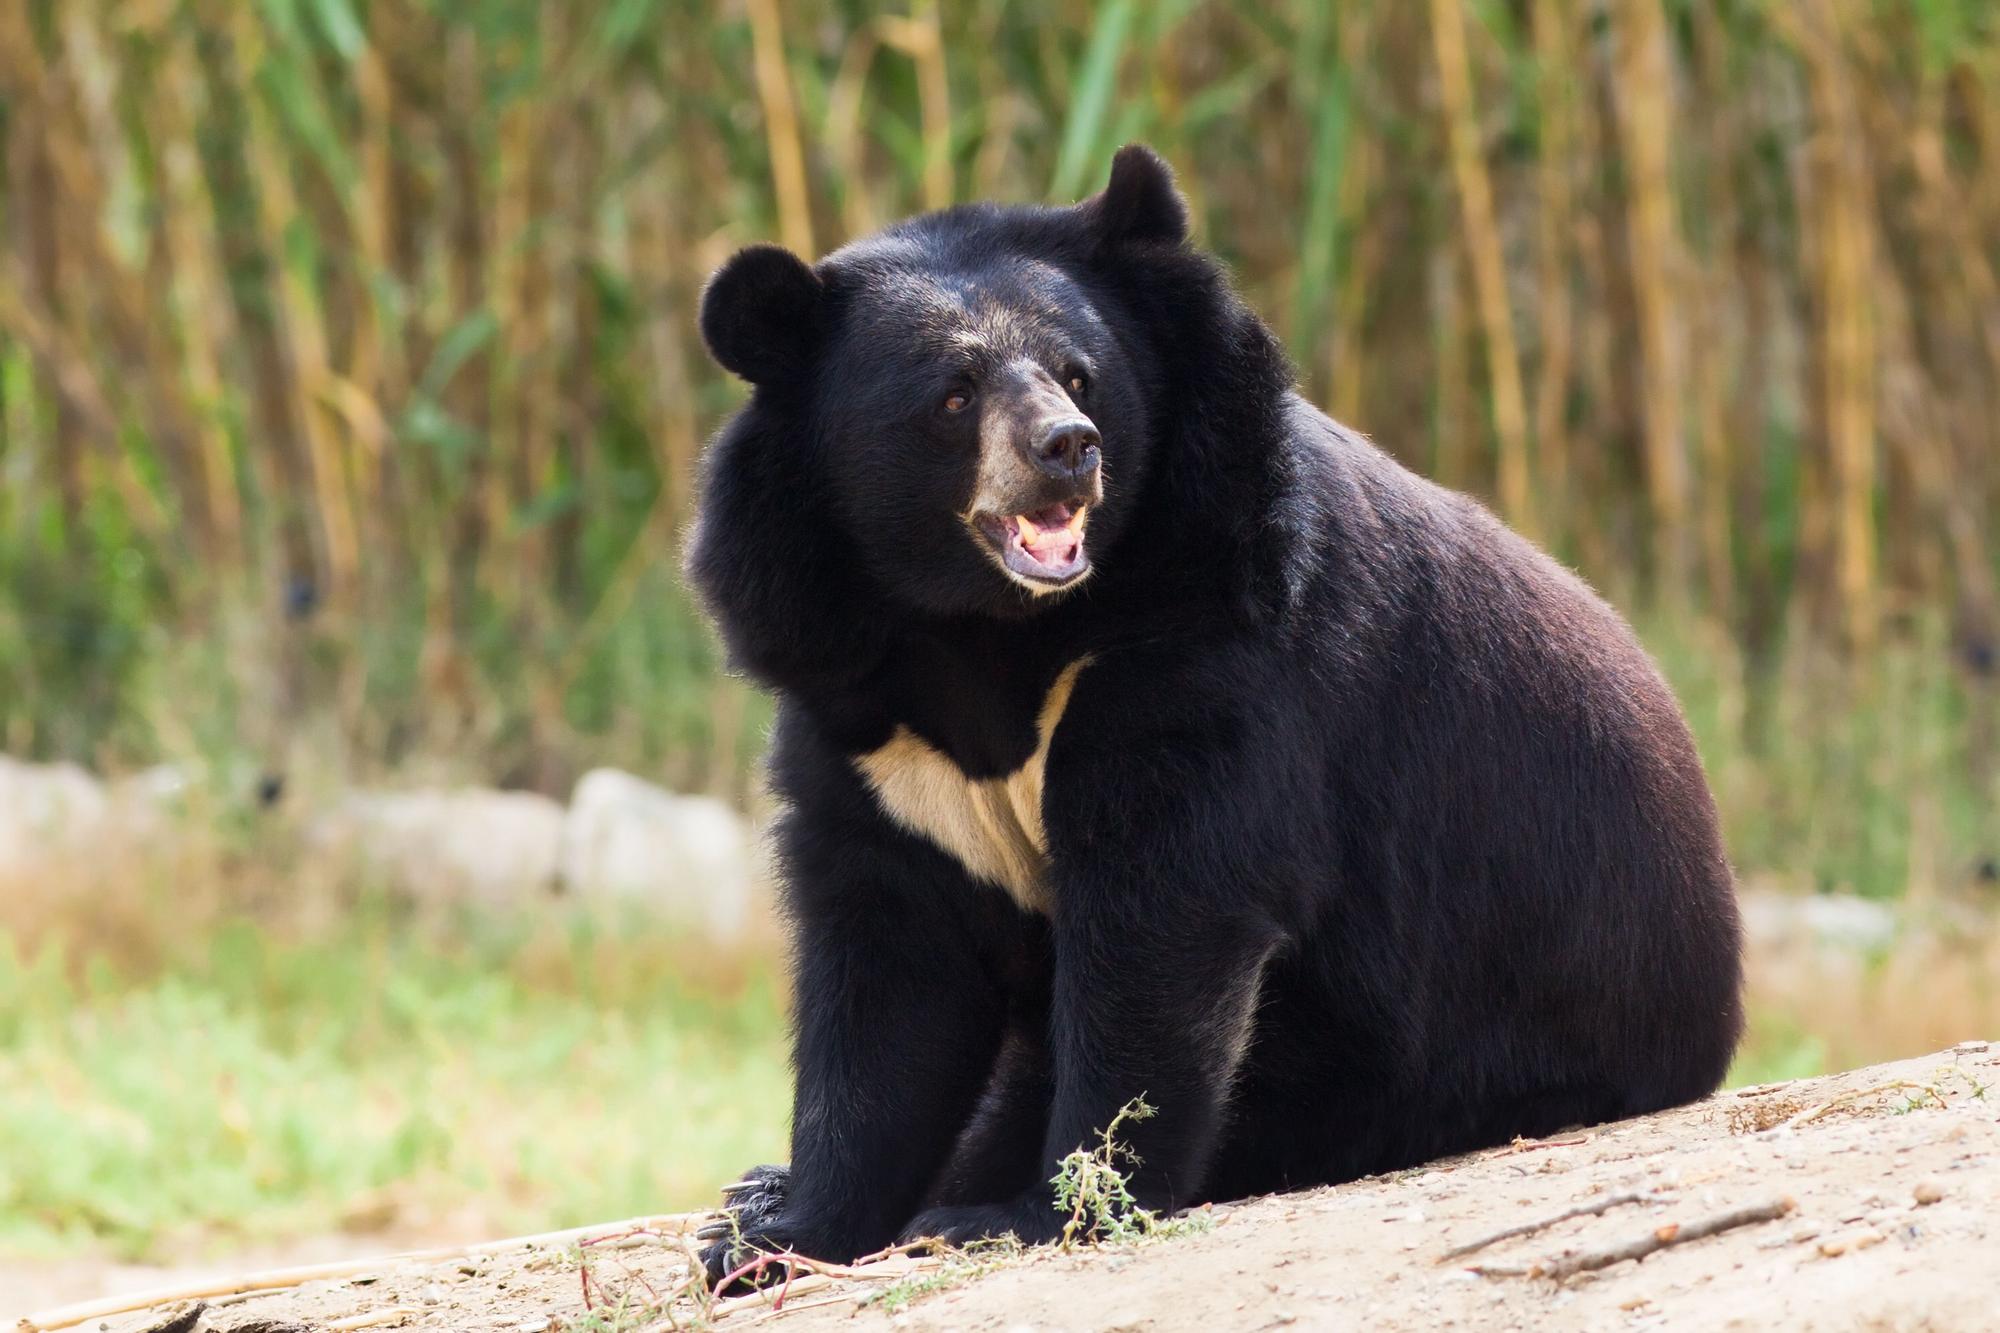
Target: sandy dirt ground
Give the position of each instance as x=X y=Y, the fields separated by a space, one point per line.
x=1864 y=1200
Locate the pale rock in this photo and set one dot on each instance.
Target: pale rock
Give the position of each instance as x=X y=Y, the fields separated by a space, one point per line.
x=1773 y=921
x=470 y=845
x=47 y=812
x=689 y=857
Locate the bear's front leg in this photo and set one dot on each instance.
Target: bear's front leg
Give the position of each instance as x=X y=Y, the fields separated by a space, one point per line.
x=1157 y=1011
x=897 y=1025
x=1166 y=887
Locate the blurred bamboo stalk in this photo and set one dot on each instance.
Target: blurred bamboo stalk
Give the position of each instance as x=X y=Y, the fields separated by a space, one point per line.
x=198 y=293
x=302 y=332
x=1555 y=55
x=781 y=127
x=389 y=307
x=1842 y=236
x=1644 y=106
x=920 y=38
x=1713 y=342
x=1484 y=253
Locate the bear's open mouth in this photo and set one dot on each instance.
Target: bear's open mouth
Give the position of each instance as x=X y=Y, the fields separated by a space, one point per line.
x=1043 y=548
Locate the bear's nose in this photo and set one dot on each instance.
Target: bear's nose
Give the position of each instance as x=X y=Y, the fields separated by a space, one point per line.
x=1068 y=449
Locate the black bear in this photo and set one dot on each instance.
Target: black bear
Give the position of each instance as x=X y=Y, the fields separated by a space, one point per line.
x=1142 y=732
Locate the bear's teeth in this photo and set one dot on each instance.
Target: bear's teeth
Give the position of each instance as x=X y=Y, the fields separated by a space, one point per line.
x=1075 y=523
x=1028 y=530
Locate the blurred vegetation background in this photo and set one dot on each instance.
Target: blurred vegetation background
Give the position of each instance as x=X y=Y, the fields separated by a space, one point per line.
x=350 y=393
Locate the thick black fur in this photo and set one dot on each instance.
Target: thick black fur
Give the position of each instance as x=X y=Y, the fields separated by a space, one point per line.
x=1373 y=834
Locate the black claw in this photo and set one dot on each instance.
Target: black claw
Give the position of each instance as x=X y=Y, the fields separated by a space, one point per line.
x=733 y=1235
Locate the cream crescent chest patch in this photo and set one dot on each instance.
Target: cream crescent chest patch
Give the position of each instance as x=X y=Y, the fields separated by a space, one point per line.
x=991 y=826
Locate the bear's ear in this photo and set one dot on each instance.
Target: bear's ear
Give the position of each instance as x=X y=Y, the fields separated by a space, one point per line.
x=760 y=314
x=1140 y=203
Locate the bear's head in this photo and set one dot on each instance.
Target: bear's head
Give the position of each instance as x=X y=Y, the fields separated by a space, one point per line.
x=959 y=416
x=977 y=414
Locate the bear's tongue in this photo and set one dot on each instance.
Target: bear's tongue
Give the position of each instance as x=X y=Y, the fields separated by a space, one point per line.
x=1052 y=536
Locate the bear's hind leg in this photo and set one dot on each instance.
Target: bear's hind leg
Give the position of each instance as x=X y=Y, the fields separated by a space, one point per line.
x=1000 y=1153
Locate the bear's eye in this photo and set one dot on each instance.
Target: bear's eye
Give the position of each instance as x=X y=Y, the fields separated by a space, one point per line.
x=956 y=402
x=1077 y=384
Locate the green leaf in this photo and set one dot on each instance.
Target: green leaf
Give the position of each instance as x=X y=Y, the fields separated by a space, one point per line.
x=550 y=503
x=342 y=30
x=1227 y=97
x=1082 y=141
x=1320 y=240
x=455 y=349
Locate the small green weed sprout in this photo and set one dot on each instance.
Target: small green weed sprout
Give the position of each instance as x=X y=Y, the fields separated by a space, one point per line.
x=960 y=1265
x=1092 y=1188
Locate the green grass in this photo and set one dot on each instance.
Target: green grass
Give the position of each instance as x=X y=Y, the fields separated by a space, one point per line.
x=176 y=1075
x=960 y=1266
x=1775 y=1048
x=252 y=1085
x=263 y=1089
x=1865 y=780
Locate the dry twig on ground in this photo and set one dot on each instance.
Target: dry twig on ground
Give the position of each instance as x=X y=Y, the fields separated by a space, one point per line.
x=69 y=1316
x=1673 y=1233
x=1530 y=1228
x=1833 y=1103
